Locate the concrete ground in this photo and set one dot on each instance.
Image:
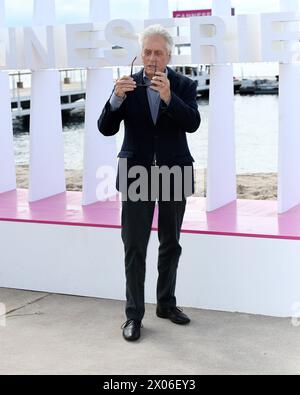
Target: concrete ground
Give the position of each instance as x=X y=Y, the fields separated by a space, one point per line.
x=57 y=334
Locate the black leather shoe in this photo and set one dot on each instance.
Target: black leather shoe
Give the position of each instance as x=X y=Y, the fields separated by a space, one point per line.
x=131 y=330
x=174 y=314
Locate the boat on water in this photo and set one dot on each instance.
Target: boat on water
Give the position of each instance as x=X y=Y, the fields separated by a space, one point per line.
x=259 y=86
x=201 y=74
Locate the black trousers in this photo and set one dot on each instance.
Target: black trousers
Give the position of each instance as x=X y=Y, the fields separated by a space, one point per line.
x=137 y=220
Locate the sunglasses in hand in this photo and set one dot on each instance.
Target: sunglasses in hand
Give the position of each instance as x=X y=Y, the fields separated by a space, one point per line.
x=144 y=85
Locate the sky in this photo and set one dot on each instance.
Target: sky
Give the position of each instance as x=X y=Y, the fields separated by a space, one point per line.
x=68 y=11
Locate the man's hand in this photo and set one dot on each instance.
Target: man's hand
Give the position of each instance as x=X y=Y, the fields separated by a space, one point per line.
x=161 y=84
x=123 y=85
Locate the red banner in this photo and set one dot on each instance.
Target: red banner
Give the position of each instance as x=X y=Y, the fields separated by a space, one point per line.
x=191 y=13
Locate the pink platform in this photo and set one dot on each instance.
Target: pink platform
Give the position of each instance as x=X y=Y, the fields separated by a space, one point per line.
x=250 y=218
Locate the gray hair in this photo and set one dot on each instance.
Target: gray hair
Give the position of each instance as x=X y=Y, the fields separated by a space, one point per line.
x=158 y=30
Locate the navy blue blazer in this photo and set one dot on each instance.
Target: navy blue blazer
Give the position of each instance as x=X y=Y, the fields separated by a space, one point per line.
x=167 y=138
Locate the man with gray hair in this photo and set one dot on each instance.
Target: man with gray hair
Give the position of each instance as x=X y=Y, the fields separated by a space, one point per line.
x=158 y=107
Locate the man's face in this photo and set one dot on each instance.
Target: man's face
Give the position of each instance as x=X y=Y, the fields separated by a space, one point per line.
x=154 y=52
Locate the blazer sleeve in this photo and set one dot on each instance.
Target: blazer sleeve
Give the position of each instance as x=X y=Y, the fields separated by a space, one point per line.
x=110 y=120
x=184 y=109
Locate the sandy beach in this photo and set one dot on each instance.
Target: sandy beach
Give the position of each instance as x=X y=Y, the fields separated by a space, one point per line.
x=258 y=186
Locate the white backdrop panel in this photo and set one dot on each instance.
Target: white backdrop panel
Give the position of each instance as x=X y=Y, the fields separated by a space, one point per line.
x=221 y=166
x=7 y=161
x=98 y=150
x=46 y=174
x=44 y=12
x=99 y=10
x=2 y=13
x=289 y=137
x=237 y=274
x=158 y=9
